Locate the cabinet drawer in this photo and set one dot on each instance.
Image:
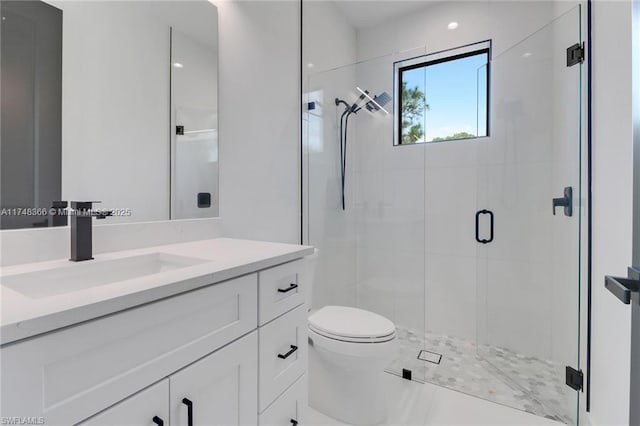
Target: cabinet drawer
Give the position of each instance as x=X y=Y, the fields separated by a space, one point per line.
x=71 y=374
x=290 y=407
x=140 y=409
x=281 y=289
x=283 y=354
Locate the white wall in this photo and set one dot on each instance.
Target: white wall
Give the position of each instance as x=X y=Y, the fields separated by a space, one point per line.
x=329 y=41
x=612 y=209
x=259 y=95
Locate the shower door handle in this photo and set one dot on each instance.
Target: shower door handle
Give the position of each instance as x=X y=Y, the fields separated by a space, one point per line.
x=565 y=201
x=478 y=214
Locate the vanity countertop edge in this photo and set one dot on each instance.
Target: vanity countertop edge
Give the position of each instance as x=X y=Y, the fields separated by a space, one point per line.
x=23 y=317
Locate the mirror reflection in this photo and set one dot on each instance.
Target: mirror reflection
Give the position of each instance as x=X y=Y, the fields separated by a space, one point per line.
x=108 y=101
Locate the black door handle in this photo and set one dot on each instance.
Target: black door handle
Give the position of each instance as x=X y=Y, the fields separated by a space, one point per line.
x=625 y=289
x=478 y=214
x=157 y=420
x=288 y=354
x=294 y=422
x=566 y=202
x=189 y=405
x=285 y=290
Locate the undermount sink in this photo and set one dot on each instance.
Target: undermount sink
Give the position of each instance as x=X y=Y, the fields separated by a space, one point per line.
x=94 y=273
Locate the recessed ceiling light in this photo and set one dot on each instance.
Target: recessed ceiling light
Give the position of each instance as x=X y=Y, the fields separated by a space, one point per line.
x=526 y=54
x=310 y=65
x=452 y=25
x=178 y=65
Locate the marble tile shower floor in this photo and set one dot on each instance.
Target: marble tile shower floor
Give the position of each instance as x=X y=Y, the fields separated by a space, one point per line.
x=501 y=376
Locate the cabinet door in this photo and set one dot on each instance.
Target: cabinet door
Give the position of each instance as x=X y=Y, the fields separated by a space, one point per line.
x=220 y=389
x=147 y=407
x=290 y=407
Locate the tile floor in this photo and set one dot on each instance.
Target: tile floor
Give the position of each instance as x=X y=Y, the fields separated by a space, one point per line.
x=412 y=403
x=517 y=381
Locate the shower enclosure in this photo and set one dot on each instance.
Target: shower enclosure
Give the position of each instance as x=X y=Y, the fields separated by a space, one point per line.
x=471 y=247
x=372 y=252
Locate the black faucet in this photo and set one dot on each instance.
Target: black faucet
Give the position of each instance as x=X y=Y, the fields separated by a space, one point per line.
x=81 y=240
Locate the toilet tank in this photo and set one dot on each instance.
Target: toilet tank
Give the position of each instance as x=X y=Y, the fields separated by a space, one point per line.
x=309 y=272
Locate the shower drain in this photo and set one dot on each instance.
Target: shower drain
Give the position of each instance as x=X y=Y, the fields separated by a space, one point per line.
x=429 y=356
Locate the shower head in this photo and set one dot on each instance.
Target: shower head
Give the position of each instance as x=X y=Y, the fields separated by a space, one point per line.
x=378 y=102
x=372 y=105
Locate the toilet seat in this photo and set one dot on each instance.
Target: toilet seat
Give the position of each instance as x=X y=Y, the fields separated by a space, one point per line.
x=351 y=325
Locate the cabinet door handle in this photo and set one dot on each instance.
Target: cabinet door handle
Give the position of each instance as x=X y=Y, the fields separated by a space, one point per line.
x=288 y=354
x=294 y=422
x=157 y=420
x=285 y=290
x=189 y=405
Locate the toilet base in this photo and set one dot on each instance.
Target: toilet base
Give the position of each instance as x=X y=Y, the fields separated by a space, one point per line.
x=347 y=388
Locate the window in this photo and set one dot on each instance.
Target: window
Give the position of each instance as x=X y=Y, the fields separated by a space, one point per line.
x=443 y=96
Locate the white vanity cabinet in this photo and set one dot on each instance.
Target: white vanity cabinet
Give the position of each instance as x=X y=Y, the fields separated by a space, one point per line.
x=283 y=343
x=230 y=353
x=219 y=389
x=147 y=407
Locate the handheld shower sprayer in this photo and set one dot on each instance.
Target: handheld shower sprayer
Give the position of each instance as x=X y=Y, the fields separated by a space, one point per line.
x=373 y=105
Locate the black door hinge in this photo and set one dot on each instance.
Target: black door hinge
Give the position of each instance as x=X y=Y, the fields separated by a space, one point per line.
x=575 y=378
x=575 y=54
x=179 y=130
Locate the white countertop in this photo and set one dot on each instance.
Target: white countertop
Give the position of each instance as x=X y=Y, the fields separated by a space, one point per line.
x=22 y=316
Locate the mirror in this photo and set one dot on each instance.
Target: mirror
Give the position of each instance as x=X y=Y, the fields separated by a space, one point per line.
x=109 y=101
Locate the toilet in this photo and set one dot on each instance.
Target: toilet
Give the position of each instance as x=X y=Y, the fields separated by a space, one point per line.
x=349 y=348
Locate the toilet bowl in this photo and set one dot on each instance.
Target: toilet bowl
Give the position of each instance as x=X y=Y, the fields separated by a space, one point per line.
x=349 y=349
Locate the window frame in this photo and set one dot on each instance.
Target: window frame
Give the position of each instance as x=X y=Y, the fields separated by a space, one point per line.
x=434 y=58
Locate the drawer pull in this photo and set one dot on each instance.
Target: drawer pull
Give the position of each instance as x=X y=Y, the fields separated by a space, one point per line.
x=189 y=405
x=288 y=289
x=294 y=422
x=288 y=354
x=157 y=420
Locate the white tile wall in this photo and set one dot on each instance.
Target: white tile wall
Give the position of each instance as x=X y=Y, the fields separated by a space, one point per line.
x=259 y=119
x=329 y=42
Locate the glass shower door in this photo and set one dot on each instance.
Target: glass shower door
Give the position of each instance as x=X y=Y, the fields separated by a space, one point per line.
x=528 y=270
x=371 y=251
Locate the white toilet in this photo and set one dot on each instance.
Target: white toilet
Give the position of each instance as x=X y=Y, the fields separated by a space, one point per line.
x=349 y=348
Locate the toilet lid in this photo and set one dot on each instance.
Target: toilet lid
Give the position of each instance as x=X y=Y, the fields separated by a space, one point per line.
x=352 y=324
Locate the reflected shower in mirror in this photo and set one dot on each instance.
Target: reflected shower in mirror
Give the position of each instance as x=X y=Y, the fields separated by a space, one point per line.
x=194 y=107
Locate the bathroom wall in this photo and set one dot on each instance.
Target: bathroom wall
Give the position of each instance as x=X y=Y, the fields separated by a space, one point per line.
x=330 y=41
x=612 y=209
x=259 y=97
